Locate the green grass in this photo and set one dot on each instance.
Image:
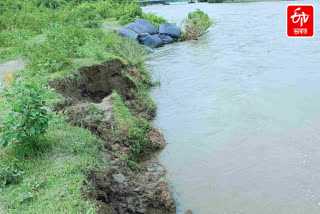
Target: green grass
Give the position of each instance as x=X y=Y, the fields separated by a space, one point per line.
x=52 y=182
x=49 y=38
x=132 y=131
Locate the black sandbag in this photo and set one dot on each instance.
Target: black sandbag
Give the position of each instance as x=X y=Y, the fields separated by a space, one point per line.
x=138 y=28
x=151 y=29
x=165 y=38
x=152 y=41
x=126 y=32
x=170 y=30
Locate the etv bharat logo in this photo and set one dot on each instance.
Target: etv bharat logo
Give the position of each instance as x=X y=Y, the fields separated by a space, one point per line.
x=300 y=21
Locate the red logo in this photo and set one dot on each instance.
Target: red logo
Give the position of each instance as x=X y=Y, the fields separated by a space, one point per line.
x=300 y=21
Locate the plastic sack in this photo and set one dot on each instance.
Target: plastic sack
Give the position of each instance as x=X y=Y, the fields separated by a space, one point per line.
x=165 y=38
x=170 y=30
x=152 y=41
x=126 y=32
x=150 y=28
x=138 y=28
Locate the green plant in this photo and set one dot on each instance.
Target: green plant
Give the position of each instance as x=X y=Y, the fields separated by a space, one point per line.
x=129 y=12
x=27 y=117
x=129 y=51
x=137 y=137
x=131 y=130
x=196 y=24
x=9 y=173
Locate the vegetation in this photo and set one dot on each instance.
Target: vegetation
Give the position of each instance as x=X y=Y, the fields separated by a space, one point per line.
x=26 y=26
x=133 y=131
x=44 y=161
x=196 y=24
x=27 y=117
x=51 y=181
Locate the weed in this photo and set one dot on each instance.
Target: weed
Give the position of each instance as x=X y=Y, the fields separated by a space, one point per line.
x=196 y=24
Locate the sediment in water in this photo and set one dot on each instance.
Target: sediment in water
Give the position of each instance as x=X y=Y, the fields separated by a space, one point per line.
x=89 y=101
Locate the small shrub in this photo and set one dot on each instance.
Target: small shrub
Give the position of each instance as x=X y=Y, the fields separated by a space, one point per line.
x=137 y=137
x=27 y=117
x=196 y=24
x=202 y=0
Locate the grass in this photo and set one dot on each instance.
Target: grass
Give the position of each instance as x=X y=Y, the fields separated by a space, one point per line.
x=52 y=182
x=132 y=131
x=54 y=41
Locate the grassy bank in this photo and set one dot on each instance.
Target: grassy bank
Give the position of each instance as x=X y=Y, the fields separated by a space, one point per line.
x=55 y=38
x=62 y=150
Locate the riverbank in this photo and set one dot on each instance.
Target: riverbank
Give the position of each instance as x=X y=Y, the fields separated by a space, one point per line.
x=97 y=155
x=75 y=122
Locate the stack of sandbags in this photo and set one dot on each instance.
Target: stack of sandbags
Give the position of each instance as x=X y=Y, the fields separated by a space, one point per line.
x=146 y=34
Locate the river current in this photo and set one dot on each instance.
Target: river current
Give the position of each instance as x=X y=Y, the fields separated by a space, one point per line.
x=240 y=110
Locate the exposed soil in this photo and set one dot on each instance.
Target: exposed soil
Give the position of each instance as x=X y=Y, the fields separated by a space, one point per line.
x=96 y=82
x=89 y=102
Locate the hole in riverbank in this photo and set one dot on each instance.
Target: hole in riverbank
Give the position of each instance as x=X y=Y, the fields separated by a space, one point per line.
x=96 y=82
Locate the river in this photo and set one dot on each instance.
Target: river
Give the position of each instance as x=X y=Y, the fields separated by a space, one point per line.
x=240 y=109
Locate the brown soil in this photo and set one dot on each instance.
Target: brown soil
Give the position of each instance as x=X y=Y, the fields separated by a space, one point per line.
x=96 y=82
x=89 y=102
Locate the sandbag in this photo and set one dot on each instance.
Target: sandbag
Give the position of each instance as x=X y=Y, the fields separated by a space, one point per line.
x=138 y=28
x=170 y=30
x=151 y=29
x=152 y=41
x=126 y=32
x=165 y=38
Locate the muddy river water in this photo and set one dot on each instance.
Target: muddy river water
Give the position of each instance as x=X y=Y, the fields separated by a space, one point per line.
x=240 y=109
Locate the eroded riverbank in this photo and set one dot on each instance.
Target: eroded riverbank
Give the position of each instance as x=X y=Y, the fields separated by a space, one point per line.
x=93 y=99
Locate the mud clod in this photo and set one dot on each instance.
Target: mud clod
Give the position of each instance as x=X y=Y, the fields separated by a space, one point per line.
x=163 y=197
